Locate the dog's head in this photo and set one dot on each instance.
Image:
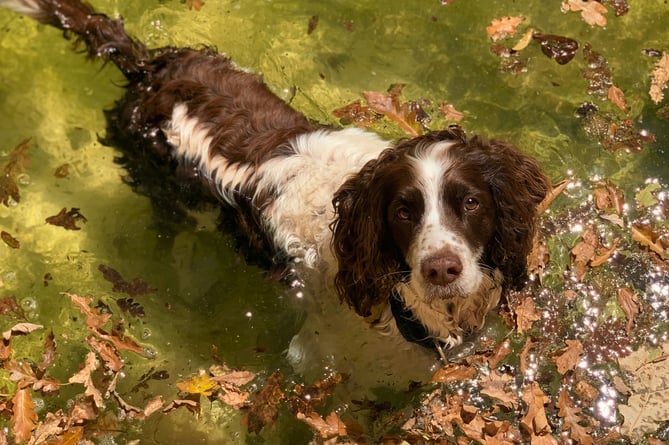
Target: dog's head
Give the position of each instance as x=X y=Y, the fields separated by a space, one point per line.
x=439 y=212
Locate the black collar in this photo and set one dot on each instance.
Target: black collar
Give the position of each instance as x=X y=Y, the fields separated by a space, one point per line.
x=410 y=328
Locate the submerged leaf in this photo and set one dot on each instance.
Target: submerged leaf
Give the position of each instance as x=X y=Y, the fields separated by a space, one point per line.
x=503 y=27
x=561 y=49
x=18 y=159
x=67 y=219
x=24 y=417
x=592 y=11
x=660 y=78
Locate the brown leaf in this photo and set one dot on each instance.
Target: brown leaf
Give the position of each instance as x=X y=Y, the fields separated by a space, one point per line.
x=327 y=428
x=265 y=407
x=313 y=23
x=573 y=419
x=134 y=288
x=21 y=329
x=153 y=405
x=526 y=314
x=235 y=378
x=94 y=320
x=450 y=113
x=559 y=48
x=524 y=41
x=124 y=343
x=192 y=405
x=195 y=4
x=409 y=115
x=660 y=78
x=629 y=303
x=233 y=397
x=107 y=353
x=84 y=377
x=591 y=11
x=18 y=159
x=21 y=372
x=550 y=197
x=357 y=114
x=534 y=421
x=504 y=27
x=48 y=353
x=81 y=410
x=498 y=386
x=644 y=234
x=50 y=427
x=501 y=351
x=67 y=219
x=454 y=372
x=24 y=417
x=10 y=240
x=617 y=98
x=609 y=197
x=570 y=357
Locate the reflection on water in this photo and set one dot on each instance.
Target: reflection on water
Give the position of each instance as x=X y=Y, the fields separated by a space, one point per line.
x=210 y=305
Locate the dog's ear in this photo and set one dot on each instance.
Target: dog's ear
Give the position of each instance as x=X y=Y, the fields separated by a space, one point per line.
x=368 y=263
x=518 y=186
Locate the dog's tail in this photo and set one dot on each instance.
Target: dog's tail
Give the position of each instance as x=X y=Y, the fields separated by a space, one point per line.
x=104 y=37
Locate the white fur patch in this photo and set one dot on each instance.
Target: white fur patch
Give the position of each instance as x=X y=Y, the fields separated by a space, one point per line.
x=434 y=235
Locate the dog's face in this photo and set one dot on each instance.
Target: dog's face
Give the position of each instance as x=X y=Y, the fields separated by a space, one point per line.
x=441 y=216
x=440 y=213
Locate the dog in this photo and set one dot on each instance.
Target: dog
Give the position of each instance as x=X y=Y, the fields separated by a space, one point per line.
x=419 y=237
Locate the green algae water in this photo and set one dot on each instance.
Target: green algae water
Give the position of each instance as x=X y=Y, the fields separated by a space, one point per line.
x=207 y=305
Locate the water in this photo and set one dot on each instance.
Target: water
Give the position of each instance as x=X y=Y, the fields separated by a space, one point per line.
x=207 y=295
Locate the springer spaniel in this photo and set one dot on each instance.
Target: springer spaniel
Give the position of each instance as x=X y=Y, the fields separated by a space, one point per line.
x=419 y=236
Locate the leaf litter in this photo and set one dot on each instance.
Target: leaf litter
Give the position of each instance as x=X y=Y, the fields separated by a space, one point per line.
x=502 y=393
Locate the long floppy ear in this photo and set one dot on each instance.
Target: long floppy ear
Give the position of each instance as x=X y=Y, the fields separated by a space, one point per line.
x=367 y=262
x=518 y=186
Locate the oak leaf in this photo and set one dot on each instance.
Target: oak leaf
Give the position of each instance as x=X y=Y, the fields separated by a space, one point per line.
x=534 y=421
x=573 y=419
x=454 y=372
x=24 y=417
x=526 y=314
x=591 y=11
x=644 y=234
x=93 y=318
x=48 y=353
x=192 y=405
x=107 y=353
x=617 y=98
x=660 y=78
x=408 y=115
x=570 y=357
x=84 y=377
x=629 y=303
x=18 y=159
x=450 y=113
x=327 y=428
x=497 y=386
x=503 y=27
x=266 y=402
x=67 y=219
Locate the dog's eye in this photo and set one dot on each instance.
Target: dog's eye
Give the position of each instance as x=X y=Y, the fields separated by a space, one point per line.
x=471 y=204
x=403 y=214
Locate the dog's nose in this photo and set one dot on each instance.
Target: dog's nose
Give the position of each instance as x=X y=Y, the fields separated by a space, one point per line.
x=441 y=269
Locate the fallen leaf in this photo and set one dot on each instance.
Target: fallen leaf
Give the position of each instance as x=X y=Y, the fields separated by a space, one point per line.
x=503 y=27
x=659 y=79
x=195 y=4
x=94 y=320
x=134 y=288
x=498 y=386
x=646 y=197
x=358 y=114
x=629 y=303
x=67 y=219
x=617 y=98
x=450 y=113
x=327 y=428
x=265 y=407
x=24 y=417
x=570 y=357
x=107 y=353
x=313 y=23
x=174 y=404
x=592 y=11
x=48 y=353
x=50 y=427
x=454 y=372
x=153 y=405
x=559 y=48
x=20 y=329
x=500 y=352
x=21 y=372
x=199 y=384
x=526 y=315
x=643 y=234
x=524 y=40
x=17 y=160
x=10 y=240
x=609 y=197
x=555 y=191
x=534 y=421
x=572 y=419
x=408 y=115
x=84 y=377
